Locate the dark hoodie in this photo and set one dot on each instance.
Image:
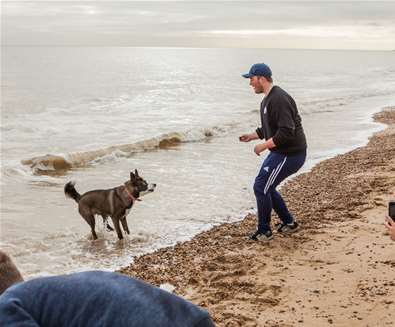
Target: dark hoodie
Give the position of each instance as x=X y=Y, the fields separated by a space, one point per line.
x=93 y=299
x=281 y=121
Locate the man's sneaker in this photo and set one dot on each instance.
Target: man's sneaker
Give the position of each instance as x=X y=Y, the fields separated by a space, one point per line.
x=287 y=228
x=262 y=236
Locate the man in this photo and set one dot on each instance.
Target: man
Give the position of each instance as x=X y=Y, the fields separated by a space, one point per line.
x=91 y=299
x=282 y=130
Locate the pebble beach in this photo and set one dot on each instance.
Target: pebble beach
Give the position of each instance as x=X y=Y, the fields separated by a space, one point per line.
x=337 y=270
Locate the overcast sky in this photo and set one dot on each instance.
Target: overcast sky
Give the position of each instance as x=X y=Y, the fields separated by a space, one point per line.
x=255 y=24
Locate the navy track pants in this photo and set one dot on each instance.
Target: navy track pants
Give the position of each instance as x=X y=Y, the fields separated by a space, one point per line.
x=275 y=168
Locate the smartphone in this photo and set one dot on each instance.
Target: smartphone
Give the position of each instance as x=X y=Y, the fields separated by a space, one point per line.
x=391 y=209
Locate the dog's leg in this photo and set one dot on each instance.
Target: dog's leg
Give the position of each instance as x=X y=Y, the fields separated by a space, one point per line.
x=108 y=226
x=90 y=219
x=125 y=225
x=115 y=220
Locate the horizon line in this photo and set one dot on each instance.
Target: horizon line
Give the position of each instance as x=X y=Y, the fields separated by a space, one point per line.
x=181 y=47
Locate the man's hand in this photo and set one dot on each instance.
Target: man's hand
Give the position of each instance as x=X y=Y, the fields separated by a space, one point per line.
x=260 y=148
x=390 y=225
x=245 y=138
x=248 y=137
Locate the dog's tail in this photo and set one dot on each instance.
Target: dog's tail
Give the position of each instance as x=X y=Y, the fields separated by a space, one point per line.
x=71 y=192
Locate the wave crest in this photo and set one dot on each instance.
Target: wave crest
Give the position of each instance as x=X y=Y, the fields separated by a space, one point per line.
x=50 y=164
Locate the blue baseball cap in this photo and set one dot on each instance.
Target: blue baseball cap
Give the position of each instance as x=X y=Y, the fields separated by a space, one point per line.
x=259 y=70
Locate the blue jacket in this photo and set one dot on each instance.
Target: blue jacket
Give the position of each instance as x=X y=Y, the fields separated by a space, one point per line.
x=96 y=298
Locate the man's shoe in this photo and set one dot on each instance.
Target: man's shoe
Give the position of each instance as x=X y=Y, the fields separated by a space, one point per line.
x=262 y=236
x=287 y=228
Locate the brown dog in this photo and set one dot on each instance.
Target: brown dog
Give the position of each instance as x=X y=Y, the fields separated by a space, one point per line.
x=114 y=203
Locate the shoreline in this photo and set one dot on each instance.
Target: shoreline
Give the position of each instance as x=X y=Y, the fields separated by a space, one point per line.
x=244 y=283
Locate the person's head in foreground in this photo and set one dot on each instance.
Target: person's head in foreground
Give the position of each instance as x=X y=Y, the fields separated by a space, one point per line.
x=9 y=273
x=390 y=225
x=260 y=76
x=91 y=299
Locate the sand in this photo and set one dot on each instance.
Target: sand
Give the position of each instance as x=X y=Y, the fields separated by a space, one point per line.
x=338 y=270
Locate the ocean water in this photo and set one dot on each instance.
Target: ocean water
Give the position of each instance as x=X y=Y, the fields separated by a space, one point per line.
x=93 y=114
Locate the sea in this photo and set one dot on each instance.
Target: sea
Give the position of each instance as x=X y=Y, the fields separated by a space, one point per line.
x=94 y=114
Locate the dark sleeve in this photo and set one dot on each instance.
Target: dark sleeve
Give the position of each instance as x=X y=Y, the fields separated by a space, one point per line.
x=283 y=116
x=12 y=313
x=206 y=322
x=259 y=131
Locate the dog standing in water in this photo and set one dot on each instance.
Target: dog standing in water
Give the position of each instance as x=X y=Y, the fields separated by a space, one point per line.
x=115 y=203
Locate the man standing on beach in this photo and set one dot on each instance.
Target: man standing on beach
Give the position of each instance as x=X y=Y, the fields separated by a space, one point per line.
x=281 y=127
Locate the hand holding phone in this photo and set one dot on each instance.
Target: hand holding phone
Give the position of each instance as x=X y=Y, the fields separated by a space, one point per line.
x=390 y=220
x=390 y=225
x=391 y=209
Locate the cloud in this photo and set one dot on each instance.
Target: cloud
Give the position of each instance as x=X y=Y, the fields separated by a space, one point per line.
x=200 y=23
x=338 y=31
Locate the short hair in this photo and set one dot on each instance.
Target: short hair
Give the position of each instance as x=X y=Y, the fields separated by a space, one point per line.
x=269 y=79
x=9 y=273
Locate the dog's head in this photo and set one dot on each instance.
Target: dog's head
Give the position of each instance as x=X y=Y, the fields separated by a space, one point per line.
x=139 y=185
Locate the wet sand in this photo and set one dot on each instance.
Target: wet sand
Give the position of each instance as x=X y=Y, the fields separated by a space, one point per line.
x=338 y=270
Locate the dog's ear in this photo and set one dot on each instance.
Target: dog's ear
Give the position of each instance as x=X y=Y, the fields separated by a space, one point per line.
x=132 y=177
x=136 y=173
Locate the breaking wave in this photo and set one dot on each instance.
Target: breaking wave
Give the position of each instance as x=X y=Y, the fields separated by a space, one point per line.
x=54 y=164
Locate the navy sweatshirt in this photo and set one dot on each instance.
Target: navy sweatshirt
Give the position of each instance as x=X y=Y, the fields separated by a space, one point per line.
x=281 y=121
x=94 y=299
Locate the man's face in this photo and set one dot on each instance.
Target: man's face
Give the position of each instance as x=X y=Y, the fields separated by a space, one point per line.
x=255 y=82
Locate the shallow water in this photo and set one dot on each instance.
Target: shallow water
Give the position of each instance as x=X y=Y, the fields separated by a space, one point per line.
x=174 y=114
